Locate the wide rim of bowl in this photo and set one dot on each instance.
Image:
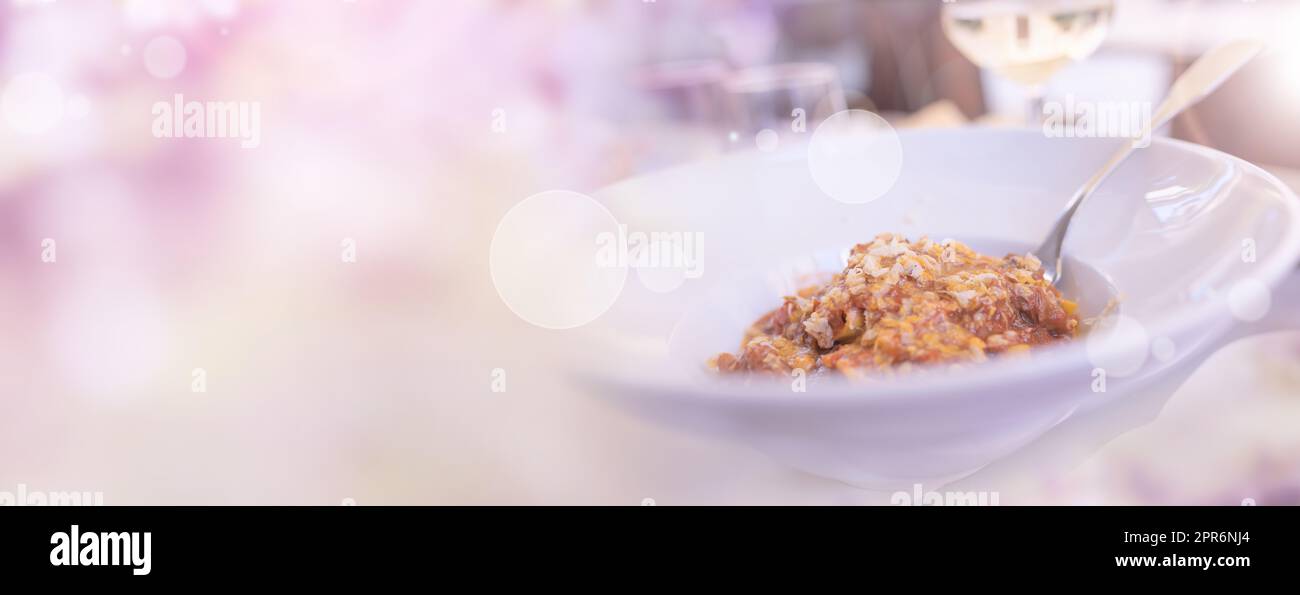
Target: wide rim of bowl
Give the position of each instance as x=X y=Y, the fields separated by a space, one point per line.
x=1210 y=316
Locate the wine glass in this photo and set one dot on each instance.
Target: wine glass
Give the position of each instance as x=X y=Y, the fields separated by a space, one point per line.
x=1027 y=41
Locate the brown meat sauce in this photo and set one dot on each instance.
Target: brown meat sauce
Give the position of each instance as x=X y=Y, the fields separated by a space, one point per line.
x=898 y=303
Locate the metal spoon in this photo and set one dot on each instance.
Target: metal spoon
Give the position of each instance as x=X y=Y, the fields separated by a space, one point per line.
x=1199 y=80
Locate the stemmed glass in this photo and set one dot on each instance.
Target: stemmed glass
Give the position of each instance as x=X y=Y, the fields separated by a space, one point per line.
x=1027 y=41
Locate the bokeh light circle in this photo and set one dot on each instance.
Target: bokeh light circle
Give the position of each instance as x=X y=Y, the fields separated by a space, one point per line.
x=855 y=156
x=32 y=103
x=546 y=260
x=164 y=57
x=1119 y=345
x=767 y=140
x=1249 y=300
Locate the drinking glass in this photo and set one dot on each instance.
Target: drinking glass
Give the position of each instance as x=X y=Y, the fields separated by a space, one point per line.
x=772 y=103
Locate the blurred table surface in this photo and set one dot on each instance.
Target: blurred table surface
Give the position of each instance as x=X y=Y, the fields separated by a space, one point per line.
x=335 y=390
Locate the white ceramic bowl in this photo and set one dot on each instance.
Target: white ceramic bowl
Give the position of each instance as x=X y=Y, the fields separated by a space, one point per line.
x=1171 y=234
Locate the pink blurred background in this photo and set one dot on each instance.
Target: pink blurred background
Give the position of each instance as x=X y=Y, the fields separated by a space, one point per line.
x=406 y=129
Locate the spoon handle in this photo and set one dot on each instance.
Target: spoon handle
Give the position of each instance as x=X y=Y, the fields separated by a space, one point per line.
x=1199 y=80
x=1203 y=77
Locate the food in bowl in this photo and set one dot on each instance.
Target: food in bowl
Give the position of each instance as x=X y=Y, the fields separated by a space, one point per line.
x=899 y=304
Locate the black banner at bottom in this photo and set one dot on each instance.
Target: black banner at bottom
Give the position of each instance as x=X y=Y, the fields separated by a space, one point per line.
x=158 y=544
